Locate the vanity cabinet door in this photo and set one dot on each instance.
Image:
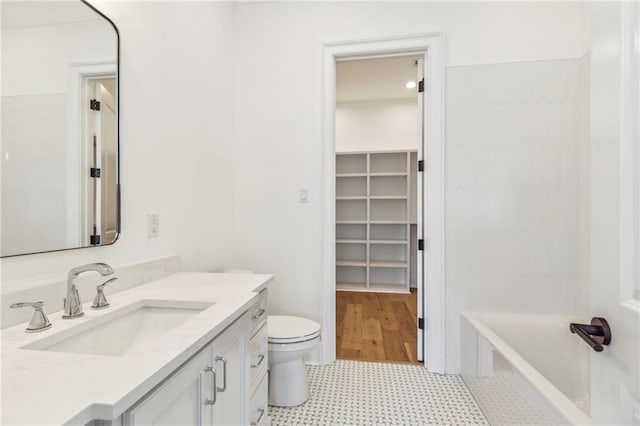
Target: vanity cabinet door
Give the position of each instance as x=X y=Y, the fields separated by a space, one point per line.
x=187 y=397
x=180 y=400
x=229 y=359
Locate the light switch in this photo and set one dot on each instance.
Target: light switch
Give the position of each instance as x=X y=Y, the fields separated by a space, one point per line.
x=153 y=225
x=304 y=195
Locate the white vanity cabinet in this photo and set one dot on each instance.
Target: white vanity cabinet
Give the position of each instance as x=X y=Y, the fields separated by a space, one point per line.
x=198 y=325
x=210 y=389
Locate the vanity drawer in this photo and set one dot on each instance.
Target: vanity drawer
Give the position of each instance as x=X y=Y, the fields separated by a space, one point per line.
x=258 y=406
x=258 y=353
x=259 y=312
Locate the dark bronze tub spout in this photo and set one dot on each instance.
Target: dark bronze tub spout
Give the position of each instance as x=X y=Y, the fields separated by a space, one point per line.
x=595 y=334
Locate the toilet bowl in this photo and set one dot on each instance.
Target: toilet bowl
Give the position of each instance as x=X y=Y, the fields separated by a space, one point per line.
x=290 y=340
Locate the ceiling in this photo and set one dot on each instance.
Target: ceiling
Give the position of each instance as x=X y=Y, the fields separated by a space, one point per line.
x=375 y=79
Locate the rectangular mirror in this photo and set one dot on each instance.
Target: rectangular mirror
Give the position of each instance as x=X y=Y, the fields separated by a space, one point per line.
x=60 y=186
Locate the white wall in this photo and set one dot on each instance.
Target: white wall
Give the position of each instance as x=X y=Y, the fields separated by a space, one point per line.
x=281 y=150
x=381 y=125
x=176 y=149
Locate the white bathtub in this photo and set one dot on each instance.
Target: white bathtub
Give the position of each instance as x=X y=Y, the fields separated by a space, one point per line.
x=526 y=369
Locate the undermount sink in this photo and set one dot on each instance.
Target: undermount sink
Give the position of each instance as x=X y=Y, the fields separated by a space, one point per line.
x=124 y=331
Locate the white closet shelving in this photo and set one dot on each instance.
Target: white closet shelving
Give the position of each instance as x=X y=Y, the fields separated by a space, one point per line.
x=375 y=203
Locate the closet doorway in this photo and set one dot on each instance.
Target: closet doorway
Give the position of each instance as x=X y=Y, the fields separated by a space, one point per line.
x=378 y=225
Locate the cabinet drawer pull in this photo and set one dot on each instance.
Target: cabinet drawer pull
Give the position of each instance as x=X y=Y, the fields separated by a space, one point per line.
x=215 y=390
x=260 y=361
x=257 y=422
x=259 y=314
x=224 y=373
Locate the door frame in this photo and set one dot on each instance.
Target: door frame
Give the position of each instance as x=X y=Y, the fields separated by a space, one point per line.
x=433 y=184
x=629 y=169
x=80 y=75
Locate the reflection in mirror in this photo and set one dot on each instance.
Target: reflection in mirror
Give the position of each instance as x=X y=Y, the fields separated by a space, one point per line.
x=59 y=119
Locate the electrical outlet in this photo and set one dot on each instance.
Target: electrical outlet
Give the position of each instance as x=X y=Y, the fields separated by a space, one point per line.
x=153 y=226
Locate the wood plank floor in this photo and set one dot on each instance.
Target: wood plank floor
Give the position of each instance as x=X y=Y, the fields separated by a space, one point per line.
x=376 y=326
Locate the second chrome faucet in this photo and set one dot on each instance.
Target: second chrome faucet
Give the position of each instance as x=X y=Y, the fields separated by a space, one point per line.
x=72 y=303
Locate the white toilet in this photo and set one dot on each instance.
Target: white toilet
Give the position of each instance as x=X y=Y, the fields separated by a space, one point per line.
x=290 y=339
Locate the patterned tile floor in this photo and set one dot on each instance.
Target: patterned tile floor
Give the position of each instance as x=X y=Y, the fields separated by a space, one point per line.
x=370 y=393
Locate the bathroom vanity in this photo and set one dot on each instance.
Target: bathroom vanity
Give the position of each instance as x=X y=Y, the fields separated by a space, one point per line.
x=190 y=348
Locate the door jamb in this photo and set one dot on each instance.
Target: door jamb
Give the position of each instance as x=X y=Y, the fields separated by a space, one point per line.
x=629 y=176
x=80 y=73
x=433 y=184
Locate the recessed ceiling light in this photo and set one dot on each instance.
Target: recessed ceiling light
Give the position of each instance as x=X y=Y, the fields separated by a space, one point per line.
x=410 y=85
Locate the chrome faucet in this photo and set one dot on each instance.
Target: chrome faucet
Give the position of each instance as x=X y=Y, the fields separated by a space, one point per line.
x=72 y=304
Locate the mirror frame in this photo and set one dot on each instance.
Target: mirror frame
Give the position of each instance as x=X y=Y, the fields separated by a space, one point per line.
x=118 y=172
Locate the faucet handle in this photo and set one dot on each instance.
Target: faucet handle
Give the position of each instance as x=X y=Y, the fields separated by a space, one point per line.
x=39 y=320
x=100 y=301
x=37 y=305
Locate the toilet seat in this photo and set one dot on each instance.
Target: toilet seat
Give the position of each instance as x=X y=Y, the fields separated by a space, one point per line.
x=294 y=339
x=284 y=329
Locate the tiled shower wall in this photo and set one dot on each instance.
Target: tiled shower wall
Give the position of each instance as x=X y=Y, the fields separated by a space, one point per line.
x=517 y=165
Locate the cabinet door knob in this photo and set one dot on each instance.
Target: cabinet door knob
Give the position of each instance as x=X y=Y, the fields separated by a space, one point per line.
x=214 y=386
x=259 y=314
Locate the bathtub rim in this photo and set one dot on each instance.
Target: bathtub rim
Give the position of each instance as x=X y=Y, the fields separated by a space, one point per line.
x=559 y=400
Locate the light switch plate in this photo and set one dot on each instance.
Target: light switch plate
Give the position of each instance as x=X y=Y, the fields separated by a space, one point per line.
x=153 y=225
x=304 y=195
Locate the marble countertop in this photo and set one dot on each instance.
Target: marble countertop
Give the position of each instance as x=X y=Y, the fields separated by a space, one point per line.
x=46 y=387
